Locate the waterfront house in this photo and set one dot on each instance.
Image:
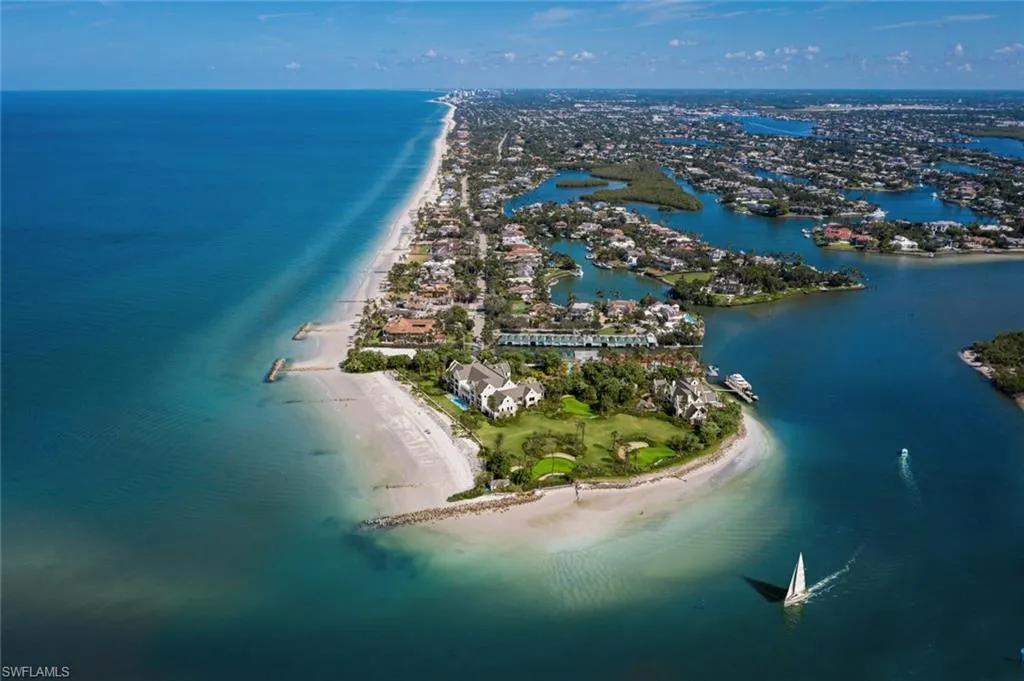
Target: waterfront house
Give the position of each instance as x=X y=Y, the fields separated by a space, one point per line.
x=902 y=243
x=490 y=388
x=619 y=308
x=837 y=233
x=689 y=399
x=407 y=330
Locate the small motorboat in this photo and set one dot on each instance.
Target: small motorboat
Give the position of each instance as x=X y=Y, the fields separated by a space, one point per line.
x=904 y=452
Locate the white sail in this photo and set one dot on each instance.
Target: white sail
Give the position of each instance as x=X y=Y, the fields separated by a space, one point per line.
x=797 y=584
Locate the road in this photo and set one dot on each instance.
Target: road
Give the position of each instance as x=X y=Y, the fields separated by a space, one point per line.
x=501 y=143
x=478 y=317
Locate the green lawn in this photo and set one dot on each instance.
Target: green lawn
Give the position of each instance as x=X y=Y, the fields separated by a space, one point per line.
x=672 y=278
x=840 y=246
x=723 y=300
x=598 y=435
x=518 y=306
x=648 y=456
x=570 y=405
x=554 y=465
x=440 y=396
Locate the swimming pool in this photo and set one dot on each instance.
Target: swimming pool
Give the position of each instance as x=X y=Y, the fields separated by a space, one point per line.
x=458 y=403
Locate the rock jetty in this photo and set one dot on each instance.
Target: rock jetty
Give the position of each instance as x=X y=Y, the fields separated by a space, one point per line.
x=429 y=515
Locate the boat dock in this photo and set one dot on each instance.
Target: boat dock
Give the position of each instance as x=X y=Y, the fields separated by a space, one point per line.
x=740 y=387
x=275 y=369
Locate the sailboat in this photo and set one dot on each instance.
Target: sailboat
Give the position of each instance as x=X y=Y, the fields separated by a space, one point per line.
x=797 y=591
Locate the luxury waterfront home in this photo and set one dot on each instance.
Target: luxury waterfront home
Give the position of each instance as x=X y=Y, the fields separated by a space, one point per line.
x=490 y=388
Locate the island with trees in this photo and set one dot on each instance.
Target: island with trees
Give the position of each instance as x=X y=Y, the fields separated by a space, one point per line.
x=1013 y=133
x=1001 y=360
x=645 y=183
x=581 y=183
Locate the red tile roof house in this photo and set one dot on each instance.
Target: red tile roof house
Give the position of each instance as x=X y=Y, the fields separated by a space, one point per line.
x=404 y=329
x=838 y=233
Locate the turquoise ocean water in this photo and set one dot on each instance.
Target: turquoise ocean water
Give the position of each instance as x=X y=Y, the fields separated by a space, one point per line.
x=168 y=516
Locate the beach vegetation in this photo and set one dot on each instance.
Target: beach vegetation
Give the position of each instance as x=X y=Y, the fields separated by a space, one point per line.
x=1004 y=355
x=364 y=361
x=402 y=277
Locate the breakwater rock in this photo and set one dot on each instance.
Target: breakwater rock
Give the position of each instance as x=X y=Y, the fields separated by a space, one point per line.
x=429 y=515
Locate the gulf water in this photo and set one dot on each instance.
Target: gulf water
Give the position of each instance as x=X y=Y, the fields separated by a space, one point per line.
x=168 y=516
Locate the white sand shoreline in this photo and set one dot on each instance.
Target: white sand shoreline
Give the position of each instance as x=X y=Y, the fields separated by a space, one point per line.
x=556 y=520
x=408 y=456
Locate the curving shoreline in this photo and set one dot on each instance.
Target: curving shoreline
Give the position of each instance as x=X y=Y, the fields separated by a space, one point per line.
x=553 y=514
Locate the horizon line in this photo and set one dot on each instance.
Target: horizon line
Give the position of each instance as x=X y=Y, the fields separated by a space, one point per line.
x=511 y=89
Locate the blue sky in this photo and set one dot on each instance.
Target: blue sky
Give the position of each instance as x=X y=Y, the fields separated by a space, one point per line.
x=658 y=44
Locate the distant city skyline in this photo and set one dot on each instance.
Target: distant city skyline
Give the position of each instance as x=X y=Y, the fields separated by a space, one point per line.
x=662 y=44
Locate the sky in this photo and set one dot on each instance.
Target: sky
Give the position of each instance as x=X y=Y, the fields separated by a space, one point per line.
x=511 y=44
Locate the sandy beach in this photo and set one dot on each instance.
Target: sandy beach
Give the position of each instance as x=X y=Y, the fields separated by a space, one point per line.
x=407 y=454
x=557 y=521
x=332 y=343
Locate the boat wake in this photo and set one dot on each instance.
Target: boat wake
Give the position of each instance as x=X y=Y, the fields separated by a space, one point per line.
x=828 y=583
x=908 y=479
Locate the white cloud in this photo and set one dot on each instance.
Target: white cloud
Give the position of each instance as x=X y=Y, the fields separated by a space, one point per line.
x=813 y=49
x=377 y=66
x=509 y=57
x=736 y=55
x=680 y=42
x=293 y=66
x=759 y=55
x=430 y=54
x=1010 y=49
x=557 y=56
x=966 y=68
x=958 y=50
x=940 y=21
x=552 y=17
x=788 y=51
x=901 y=58
x=268 y=17
x=583 y=56
x=656 y=12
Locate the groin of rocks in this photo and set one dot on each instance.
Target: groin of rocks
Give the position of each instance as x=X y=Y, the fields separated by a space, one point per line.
x=429 y=515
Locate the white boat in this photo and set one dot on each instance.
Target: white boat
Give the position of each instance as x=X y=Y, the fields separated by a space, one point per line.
x=712 y=370
x=797 y=592
x=934 y=195
x=904 y=452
